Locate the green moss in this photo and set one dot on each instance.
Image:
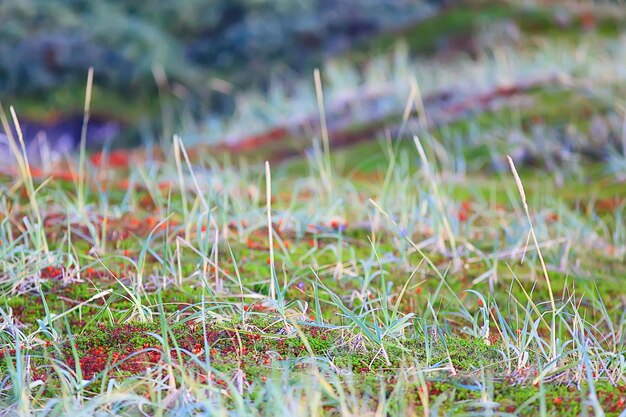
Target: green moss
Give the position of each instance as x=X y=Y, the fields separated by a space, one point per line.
x=424 y=36
x=106 y=103
x=464 y=21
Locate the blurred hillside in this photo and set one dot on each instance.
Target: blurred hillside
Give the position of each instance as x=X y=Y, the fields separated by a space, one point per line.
x=205 y=49
x=241 y=70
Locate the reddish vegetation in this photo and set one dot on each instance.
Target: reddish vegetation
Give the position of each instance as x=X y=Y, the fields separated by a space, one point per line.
x=257 y=141
x=118 y=350
x=51 y=272
x=338 y=224
x=96 y=360
x=552 y=217
x=117 y=229
x=465 y=210
x=610 y=204
x=115 y=159
x=257 y=307
x=59 y=174
x=130 y=348
x=588 y=21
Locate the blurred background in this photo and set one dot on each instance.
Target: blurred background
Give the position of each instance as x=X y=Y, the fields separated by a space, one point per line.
x=219 y=71
x=190 y=56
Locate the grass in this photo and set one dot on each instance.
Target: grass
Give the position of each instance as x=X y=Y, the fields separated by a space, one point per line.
x=422 y=275
x=364 y=304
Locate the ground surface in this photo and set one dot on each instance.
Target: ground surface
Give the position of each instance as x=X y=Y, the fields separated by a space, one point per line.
x=399 y=265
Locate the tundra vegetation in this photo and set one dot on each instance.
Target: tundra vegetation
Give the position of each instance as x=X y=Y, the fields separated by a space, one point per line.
x=425 y=231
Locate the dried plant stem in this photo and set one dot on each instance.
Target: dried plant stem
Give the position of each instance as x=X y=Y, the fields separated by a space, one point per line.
x=520 y=189
x=268 y=196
